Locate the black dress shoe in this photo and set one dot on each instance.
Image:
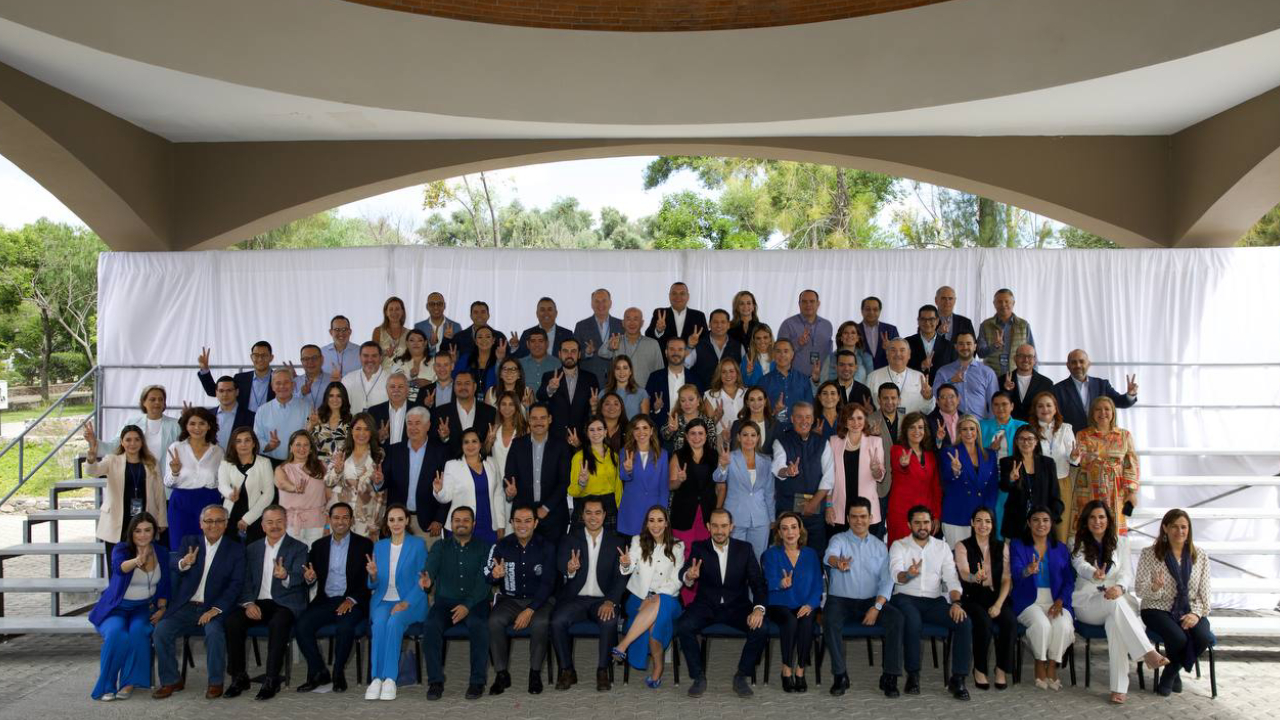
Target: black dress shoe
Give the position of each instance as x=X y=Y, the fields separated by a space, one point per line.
x=238 y=685
x=801 y=684
x=1177 y=682
x=501 y=682
x=602 y=680
x=318 y=681
x=269 y=688
x=535 y=682
x=435 y=691
x=566 y=679
x=339 y=683
x=957 y=688
x=475 y=692
x=839 y=684
x=913 y=684
x=788 y=684
x=889 y=684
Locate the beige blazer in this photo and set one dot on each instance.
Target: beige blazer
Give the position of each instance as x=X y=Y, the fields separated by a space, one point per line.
x=112 y=517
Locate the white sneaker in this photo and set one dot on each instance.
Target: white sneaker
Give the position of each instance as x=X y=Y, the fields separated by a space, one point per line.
x=388 y=690
x=107 y=697
x=374 y=691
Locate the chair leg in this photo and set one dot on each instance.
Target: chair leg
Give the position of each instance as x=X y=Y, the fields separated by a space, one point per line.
x=1213 y=674
x=330 y=655
x=257 y=654
x=417 y=658
x=1071 y=658
x=933 y=645
x=1142 y=677
x=768 y=662
x=186 y=658
x=675 y=662
x=1017 y=660
x=946 y=660
x=359 y=661
x=1197 y=668
x=871 y=655
x=817 y=659
x=1088 y=660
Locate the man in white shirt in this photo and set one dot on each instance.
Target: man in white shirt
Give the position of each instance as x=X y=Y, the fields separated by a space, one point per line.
x=274 y=594
x=644 y=351
x=914 y=392
x=391 y=414
x=927 y=590
x=367 y=386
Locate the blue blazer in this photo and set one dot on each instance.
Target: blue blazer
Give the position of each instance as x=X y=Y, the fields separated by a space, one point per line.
x=226 y=574
x=880 y=359
x=806 y=578
x=751 y=506
x=413 y=560
x=293 y=553
x=1062 y=577
x=114 y=593
x=971 y=489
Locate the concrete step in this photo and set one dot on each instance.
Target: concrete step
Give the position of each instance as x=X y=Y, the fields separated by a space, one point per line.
x=78 y=625
x=61 y=548
x=1221 y=547
x=1193 y=452
x=1211 y=513
x=1207 y=480
x=47 y=585
x=62 y=514
x=78 y=483
x=1263 y=586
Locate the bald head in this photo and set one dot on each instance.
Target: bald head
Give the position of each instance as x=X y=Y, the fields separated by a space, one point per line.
x=1078 y=364
x=1025 y=358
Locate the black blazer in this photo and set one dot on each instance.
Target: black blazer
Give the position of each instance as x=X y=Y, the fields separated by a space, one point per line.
x=464 y=342
x=243 y=418
x=943 y=352
x=244 y=387
x=959 y=324
x=555 y=480
x=395 y=480
x=357 y=576
x=610 y=579
x=1022 y=409
x=562 y=334
x=656 y=387
x=486 y=415
x=743 y=586
x=1041 y=488
x=933 y=420
x=565 y=412
x=226 y=575
x=382 y=413
x=1076 y=414
x=704 y=367
x=692 y=319
x=857 y=393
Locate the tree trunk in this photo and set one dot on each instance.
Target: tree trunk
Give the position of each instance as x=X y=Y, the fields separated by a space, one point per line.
x=988 y=223
x=46 y=353
x=842 y=203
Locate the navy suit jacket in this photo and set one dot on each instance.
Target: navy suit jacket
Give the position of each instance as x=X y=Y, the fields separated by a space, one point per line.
x=486 y=415
x=357 y=576
x=656 y=387
x=880 y=359
x=610 y=579
x=1022 y=409
x=395 y=474
x=226 y=574
x=959 y=324
x=565 y=412
x=562 y=334
x=244 y=388
x=742 y=586
x=555 y=479
x=704 y=368
x=382 y=413
x=943 y=352
x=692 y=319
x=586 y=331
x=1073 y=412
x=293 y=554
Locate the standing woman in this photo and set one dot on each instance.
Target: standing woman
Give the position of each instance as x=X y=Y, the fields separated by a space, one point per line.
x=757 y=409
x=969 y=481
x=982 y=562
x=749 y=488
x=247 y=485
x=847 y=338
x=392 y=335
x=330 y=424
x=483 y=359
x=688 y=409
x=134 y=601
x=300 y=480
x=1104 y=575
x=1043 y=581
x=724 y=400
x=915 y=475
x=134 y=487
x=622 y=380
x=794 y=577
x=354 y=472
x=593 y=475
x=511 y=424
x=827 y=410
x=645 y=477
x=755 y=361
x=193 y=473
x=158 y=430
x=396 y=575
x=653 y=562
x=1173 y=585
x=859 y=469
x=415 y=364
x=1108 y=463
x=614 y=413
x=474 y=481
x=1057 y=442
x=1028 y=480
x=694 y=491
x=510 y=380
x=746 y=317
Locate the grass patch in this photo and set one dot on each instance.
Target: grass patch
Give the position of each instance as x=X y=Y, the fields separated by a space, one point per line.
x=58 y=468
x=72 y=410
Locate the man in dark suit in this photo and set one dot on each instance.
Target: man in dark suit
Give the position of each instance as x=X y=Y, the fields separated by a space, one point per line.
x=929 y=349
x=404 y=485
x=439 y=329
x=230 y=412
x=207 y=576
x=678 y=320
x=274 y=594
x=462 y=343
x=336 y=569
x=949 y=324
x=1026 y=383
x=1077 y=392
x=543 y=486
x=568 y=392
x=663 y=384
x=851 y=391
x=943 y=422
x=592 y=591
x=713 y=347
x=464 y=412
x=876 y=334
x=594 y=333
x=556 y=335
x=731 y=590
x=253 y=387
x=397 y=406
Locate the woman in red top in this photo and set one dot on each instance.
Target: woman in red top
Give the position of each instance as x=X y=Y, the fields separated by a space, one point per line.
x=915 y=475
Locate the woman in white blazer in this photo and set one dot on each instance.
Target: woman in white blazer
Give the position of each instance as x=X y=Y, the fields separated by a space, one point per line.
x=653 y=563
x=158 y=430
x=247 y=485
x=1057 y=441
x=474 y=481
x=1104 y=594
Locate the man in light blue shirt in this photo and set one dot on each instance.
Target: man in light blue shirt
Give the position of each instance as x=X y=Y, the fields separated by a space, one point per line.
x=538 y=362
x=785 y=385
x=809 y=334
x=340 y=356
x=858 y=566
x=974 y=381
x=310 y=385
x=280 y=418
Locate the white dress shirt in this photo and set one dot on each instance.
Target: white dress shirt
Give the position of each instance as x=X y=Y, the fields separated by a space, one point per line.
x=210 y=551
x=591 y=588
x=937 y=568
x=674 y=383
x=269 y=554
x=467 y=418
x=779 y=463
x=679 y=319
x=365 y=392
x=395 y=417
x=194 y=474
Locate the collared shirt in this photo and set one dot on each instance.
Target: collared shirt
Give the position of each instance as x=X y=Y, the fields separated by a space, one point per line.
x=210 y=552
x=949 y=421
x=793 y=328
x=571 y=382
x=365 y=391
x=284 y=419
x=937 y=568
x=444 y=393
x=535 y=368
x=458 y=570
x=603 y=329
x=1006 y=347
x=679 y=316
x=226 y=423
x=871 y=338
x=395 y=418
x=868 y=574
x=928 y=343
x=344 y=361
x=975 y=390
x=316 y=396
x=415 y=468
x=793 y=387
x=269 y=554
x=674 y=383
x=591 y=586
x=258 y=391
x=1024 y=382
x=1082 y=388
x=467 y=418
x=436 y=331
x=335 y=583
x=722 y=556
x=539 y=448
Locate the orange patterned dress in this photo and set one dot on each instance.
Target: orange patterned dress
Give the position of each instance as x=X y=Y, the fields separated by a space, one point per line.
x=1108 y=471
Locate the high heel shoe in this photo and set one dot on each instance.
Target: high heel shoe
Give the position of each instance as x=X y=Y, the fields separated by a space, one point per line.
x=800 y=684
x=619 y=656
x=984 y=685
x=788 y=684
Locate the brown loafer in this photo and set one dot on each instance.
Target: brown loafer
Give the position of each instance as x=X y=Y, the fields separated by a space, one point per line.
x=213 y=693
x=165 y=691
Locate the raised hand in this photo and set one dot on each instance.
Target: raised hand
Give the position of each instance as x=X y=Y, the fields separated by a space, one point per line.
x=430 y=402
x=499 y=570
x=624 y=557
x=673 y=421
x=193 y=554
x=371 y=567
x=780 y=406
x=591 y=348
x=958 y=377
x=981 y=574
x=448 y=330
x=442 y=429
x=1099 y=573
x=999 y=342
x=309 y=573
x=203 y=360
x=509 y=487
x=660 y=323
x=554 y=383
x=786 y=580
x=175 y=465
x=1157 y=579
x=629 y=463
x=514 y=342
x=528 y=397
x=280 y=572
x=927 y=363
x=926 y=390
x=377 y=476
x=719 y=411
x=313 y=420
x=274 y=442
x=905 y=459
x=572 y=438
x=941 y=434
x=335 y=375
x=877 y=469
x=657 y=403
x=751 y=365
x=384 y=432
x=91 y=438
x=490 y=436
x=805 y=337
x=1033 y=567
x=1016 y=472
x=1132 y=382
x=955 y=463
x=884 y=340
x=424 y=580
x=1009 y=384
x=914 y=570
x=584 y=475
x=615 y=340
x=500 y=351
x=594 y=399
x=843 y=563
x=694 y=571
x=696 y=335
x=680 y=476
x=574 y=564
x=793 y=468
x=997 y=442
x=437 y=484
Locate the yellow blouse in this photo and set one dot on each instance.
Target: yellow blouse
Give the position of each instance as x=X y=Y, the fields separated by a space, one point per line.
x=603 y=481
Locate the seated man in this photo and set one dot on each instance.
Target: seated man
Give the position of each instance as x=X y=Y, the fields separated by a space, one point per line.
x=455 y=569
x=858 y=567
x=520 y=564
x=274 y=594
x=731 y=590
x=923 y=570
x=207 y=576
x=336 y=569
x=253 y=387
x=592 y=591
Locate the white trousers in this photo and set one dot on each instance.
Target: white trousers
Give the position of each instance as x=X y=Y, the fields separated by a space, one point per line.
x=1126 y=635
x=1049 y=639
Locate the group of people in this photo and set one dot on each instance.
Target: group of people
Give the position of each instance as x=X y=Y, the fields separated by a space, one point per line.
x=449 y=476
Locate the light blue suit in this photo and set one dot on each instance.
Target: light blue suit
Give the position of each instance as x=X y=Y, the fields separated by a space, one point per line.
x=387 y=628
x=751 y=505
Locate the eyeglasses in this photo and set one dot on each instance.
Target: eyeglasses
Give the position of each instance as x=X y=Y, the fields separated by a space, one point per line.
x=340 y=330
x=219 y=521
x=260 y=355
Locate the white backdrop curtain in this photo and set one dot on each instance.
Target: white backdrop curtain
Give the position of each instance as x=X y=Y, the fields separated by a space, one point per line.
x=1209 y=317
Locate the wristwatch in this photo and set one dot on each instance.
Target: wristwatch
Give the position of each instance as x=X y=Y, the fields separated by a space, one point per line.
x=879 y=606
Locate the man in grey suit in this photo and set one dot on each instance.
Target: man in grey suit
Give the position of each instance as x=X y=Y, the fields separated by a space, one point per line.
x=645 y=353
x=594 y=332
x=1077 y=392
x=274 y=594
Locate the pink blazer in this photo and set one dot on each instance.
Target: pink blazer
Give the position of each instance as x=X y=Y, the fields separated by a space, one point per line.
x=871 y=450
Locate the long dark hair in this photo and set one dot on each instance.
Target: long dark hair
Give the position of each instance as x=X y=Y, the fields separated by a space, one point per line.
x=407 y=357
x=611 y=384
x=709 y=453
x=646 y=538
x=588 y=454
x=1161 y=545
x=144 y=454
x=1084 y=538
x=311 y=465
x=926 y=442
x=142 y=517
x=344 y=412
x=1051 y=541
x=230 y=455
x=204 y=414
x=375 y=447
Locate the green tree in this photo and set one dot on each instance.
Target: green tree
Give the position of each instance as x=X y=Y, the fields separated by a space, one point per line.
x=689 y=221
x=323 y=230
x=1265 y=232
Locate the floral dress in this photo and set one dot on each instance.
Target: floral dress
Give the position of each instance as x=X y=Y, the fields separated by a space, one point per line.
x=1108 y=471
x=353 y=485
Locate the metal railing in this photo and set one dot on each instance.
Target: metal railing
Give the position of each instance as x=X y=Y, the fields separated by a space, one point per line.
x=21 y=440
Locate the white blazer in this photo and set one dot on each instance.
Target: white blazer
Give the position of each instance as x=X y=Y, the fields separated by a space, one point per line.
x=1058 y=445
x=259 y=482
x=1121 y=573
x=460 y=490
x=658 y=575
